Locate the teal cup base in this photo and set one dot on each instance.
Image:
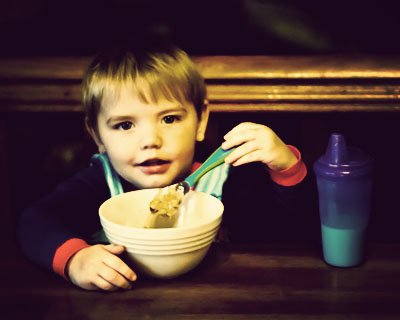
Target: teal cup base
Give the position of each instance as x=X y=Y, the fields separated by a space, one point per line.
x=343 y=247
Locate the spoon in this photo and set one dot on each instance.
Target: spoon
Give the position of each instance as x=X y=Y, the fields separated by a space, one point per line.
x=166 y=203
x=214 y=160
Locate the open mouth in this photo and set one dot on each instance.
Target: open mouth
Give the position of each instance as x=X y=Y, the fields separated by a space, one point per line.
x=154 y=166
x=152 y=162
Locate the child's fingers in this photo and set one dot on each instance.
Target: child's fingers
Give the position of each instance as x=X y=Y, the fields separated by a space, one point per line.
x=114 y=248
x=114 y=278
x=239 y=129
x=238 y=139
x=87 y=285
x=247 y=158
x=246 y=153
x=241 y=151
x=115 y=263
x=103 y=284
x=98 y=267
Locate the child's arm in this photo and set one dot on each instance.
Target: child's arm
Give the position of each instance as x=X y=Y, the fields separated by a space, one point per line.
x=56 y=229
x=99 y=267
x=259 y=143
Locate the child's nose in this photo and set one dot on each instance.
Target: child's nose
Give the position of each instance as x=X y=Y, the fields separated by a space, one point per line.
x=150 y=138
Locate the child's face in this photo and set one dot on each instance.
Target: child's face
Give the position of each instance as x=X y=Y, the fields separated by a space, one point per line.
x=149 y=145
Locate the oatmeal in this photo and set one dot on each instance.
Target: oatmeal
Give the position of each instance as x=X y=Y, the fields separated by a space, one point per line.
x=164 y=207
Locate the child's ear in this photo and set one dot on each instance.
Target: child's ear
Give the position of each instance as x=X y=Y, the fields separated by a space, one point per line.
x=202 y=126
x=95 y=137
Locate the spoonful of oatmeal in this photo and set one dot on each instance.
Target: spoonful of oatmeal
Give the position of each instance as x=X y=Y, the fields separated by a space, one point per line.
x=165 y=205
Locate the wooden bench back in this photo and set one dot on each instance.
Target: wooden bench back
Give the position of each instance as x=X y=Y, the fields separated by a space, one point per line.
x=235 y=83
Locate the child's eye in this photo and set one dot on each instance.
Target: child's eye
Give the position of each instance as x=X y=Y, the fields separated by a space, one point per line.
x=126 y=125
x=171 y=119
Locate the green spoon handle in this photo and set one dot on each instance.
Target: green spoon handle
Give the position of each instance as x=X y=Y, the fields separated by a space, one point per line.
x=216 y=158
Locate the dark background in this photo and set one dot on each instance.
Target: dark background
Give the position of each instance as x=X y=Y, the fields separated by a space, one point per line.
x=83 y=27
x=46 y=148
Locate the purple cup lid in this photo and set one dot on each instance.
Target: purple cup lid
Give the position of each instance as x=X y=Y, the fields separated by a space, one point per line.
x=341 y=161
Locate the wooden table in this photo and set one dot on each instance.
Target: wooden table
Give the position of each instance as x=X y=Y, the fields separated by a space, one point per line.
x=233 y=282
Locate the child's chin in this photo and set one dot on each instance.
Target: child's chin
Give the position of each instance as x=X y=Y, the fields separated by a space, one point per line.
x=156 y=185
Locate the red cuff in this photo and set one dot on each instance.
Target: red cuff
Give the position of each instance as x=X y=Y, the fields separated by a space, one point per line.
x=65 y=252
x=292 y=175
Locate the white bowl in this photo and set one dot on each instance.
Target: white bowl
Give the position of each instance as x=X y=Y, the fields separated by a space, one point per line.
x=160 y=243
x=162 y=252
x=126 y=214
x=167 y=266
x=167 y=253
x=162 y=248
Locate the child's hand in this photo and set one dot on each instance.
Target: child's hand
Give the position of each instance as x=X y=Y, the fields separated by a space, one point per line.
x=98 y=267
x=257 y=142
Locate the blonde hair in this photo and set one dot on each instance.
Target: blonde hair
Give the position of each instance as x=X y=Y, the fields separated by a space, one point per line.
x=153 y=72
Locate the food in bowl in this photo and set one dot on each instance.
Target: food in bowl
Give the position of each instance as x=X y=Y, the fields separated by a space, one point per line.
x=165 y=206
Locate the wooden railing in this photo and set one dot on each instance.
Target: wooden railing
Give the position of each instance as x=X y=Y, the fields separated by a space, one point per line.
x=235 y=83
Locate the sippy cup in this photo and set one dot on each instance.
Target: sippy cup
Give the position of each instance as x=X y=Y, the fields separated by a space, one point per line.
x=344 y=181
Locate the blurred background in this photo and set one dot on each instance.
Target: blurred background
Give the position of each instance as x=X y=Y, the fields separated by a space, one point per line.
x=76 y=27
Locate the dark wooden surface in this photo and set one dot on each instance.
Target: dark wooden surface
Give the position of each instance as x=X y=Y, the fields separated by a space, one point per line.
x=233 y=282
